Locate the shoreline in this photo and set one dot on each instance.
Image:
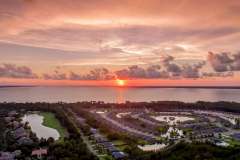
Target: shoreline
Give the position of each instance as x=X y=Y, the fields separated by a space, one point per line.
x=86 y=86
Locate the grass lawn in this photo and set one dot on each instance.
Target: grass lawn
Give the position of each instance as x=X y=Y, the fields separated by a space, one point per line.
x=51 y=121
x=122 y=148
x=105 y=157
x=119 y=143
x=142 y=142
x=231 y=141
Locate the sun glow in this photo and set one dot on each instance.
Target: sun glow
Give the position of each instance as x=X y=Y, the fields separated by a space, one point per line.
x=120 y=82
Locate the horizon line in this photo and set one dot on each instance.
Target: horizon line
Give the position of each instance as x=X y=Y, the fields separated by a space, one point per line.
x=131 y=86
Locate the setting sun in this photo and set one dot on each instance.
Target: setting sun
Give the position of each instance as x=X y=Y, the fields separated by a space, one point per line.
x=120 y=82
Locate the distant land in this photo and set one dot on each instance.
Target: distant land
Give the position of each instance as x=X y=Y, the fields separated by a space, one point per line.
x=203 y=87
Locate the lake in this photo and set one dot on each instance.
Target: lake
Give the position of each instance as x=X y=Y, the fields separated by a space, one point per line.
x=115 y=94
x=35 y=121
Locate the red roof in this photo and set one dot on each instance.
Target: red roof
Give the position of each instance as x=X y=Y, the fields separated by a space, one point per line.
x=39 y=152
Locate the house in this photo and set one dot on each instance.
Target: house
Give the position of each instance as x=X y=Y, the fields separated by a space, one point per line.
x=19 y=132
x=118 y=155
x=17 y=153
x=39 y=153
x=236 y=136
x=112 y=149
x=94 y=131
x=109 y=146
x=8 y=119
x=2 y=113
x=12 y=113
x=6 y=156
x=100 y=139
x=81 y=120
x=16 y=124
x=24 y=141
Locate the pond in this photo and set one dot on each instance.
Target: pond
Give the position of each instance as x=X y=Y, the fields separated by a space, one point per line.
x=171 y=120
x=120 y=115
x=152 y=147
x=35 y=121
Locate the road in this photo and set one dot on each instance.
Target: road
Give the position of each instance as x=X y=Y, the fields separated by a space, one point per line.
x=137 y=116
x=131 y=130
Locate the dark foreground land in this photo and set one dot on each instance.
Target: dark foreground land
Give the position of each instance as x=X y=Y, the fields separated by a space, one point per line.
x=98 y=130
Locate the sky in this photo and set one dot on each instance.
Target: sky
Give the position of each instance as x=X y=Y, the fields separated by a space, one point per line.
x=145 y=42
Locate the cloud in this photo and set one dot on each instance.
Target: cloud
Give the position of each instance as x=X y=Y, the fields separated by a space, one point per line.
x=192 y=71
x=224 y=65
x=167 y=59
x=135 y=72
x=132 y=72
x=75 y=76
x=173 y=68
x=13 y=71
x=98 y=74
x=217 y=74
x=186 y=71
x=43 y=23
x=95 y=74
x=55 y=76
x=235 y=66
x=43 y=14
x=154 y=71
x=114 y=33
x=223 y=62
x=167 y=69
x=219 y=62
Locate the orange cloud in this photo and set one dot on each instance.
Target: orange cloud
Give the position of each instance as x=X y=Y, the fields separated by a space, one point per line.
x=116 y=34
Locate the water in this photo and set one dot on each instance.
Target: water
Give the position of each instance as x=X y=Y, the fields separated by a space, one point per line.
x=172 y=121
x=35 y=121
x=152 y=147
x=111 y=94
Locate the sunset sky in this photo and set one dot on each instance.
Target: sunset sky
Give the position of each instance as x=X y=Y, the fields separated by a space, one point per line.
x=95 y=42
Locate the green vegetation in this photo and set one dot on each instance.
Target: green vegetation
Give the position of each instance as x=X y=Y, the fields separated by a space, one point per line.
x=162 y=139
x=162 y=129
x=2 y=134
x=187 y=130
x=194 y=151
x=123 y=148
x=119 y=142
x=174 y=134
x=105 y=157
x=231 y=141
x=71 y=146
x=71 y=149
x=58 y=116
x=51 y=121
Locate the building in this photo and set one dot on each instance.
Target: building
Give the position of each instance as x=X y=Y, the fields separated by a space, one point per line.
x=8 y=119
x=24 y=141
x=6 y=156
x=118 y=155
x=12 y=113
x=39 y=153
x=16 y=124
x=19 y=132
x=236 y=136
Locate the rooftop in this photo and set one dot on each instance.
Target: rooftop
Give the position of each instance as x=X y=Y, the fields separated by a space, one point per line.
x=39 y=152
